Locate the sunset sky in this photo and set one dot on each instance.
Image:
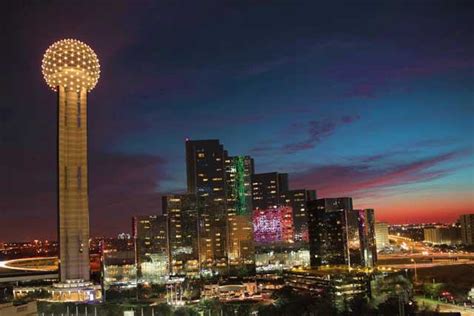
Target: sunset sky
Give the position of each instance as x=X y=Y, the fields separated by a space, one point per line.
x=373 y=101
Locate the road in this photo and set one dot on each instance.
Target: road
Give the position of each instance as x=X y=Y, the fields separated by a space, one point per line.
x=444 y=307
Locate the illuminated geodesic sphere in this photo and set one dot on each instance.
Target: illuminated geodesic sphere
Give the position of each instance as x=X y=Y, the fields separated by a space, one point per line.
x=71 y=64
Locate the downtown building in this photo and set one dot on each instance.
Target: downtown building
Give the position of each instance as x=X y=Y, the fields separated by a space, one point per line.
x=339 y=235
x=467 y=229
x=150 y=234
x=381 y=236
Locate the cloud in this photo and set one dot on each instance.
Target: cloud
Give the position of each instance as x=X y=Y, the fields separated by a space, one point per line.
x=365 y=179
x=317 y=131
x=120 y=186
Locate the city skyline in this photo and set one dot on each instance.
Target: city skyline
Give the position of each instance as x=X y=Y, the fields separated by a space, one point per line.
x=396 y=140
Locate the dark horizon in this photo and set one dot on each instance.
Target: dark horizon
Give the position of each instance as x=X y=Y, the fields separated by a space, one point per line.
x=367 y=100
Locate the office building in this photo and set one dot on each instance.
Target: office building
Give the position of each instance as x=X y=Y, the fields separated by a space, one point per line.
x=71 y=69
x=339 y=235
x=183 y=233
x=239 y=171
x=205 y=168
x=297 y=200
x=327 y=228
x=366 y=229
x=467 y=228
x=381 y=235
x=267 y=189
x=212 y=230
x=151 y=246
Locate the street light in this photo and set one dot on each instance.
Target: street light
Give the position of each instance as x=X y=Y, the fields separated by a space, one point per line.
x=416 y=274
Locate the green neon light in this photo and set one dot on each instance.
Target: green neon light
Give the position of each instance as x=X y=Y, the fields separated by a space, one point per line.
x=241 y=203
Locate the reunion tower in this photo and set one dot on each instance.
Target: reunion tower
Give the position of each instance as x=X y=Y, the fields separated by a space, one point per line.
x=71 y=69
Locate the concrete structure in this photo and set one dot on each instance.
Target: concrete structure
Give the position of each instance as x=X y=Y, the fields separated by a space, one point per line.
x=28 y=309
x=71 y=69
x=467 y=228
x=381 y=235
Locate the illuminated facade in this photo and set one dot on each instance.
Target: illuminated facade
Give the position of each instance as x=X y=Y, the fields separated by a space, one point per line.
x=71 y=69
x=381 y=236
x=365 y=221
x=182 y=213
x=212 y=228
x=151 y=246
x=241 y=251
x=273 y=225
x=297 y=200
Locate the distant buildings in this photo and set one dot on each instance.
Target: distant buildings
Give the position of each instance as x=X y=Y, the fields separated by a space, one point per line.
x=467 y=228
x=230 y=218
x=381 y=235
x=339 y=235
x=443 y=235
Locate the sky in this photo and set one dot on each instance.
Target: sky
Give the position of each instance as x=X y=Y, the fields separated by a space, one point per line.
x=367 y=99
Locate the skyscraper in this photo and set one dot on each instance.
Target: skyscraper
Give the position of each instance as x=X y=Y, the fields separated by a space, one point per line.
x=183 y=232
x=205 y=168
x=467 y=228
x=267 y=189
x=297 y=200
x=239 y=171
x=71 y=69
x=328 y=231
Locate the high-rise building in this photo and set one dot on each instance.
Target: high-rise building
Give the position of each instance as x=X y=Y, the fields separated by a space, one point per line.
x=267 y=189
x=151 y=248
x=239 y=171
x=467 y=228
x=297 y=200
x=205 y=168
x=366 y=228
x=183 y=232
x=212 y=235
x=381 y=235
x=71 y=69
x=328 y=232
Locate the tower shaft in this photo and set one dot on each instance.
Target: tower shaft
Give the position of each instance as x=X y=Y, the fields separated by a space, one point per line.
x=73 y=204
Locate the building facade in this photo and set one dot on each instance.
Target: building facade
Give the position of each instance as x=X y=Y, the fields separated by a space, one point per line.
x=151 y=248
x=241 y=252
x=381 y=235
x=267 y=189
x=443 y=235
x=183 y=233
x=467 y=228
x=297 y=200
